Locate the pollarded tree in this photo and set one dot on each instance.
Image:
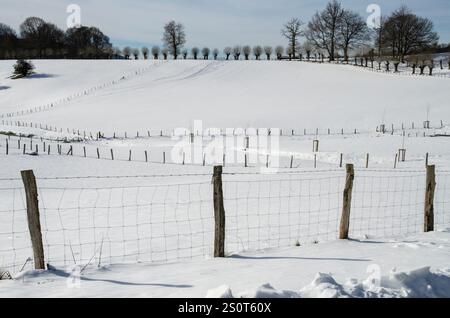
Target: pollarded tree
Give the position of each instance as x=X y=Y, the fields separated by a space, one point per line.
x=308 y=48
x=289 y=52
x=195 y=51
x=184 y=53
x=127 y=52
x=117 y=52
x=215 y=54
x=136 y=54
x=174 y=37
x=323 y=29
x=145 y=52
x=155 y=52
x=237 y=51
x=257 y=52
x=247 y=50
x=268 y=52
x=205 y=52
x=165 y=53
x=279 y=50
x=227 y=51
x=292 y=31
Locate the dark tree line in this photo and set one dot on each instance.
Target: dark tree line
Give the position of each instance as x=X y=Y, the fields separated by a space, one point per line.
x=40 y=39
x=404 y=33
x=333 y=32
x=336 y=31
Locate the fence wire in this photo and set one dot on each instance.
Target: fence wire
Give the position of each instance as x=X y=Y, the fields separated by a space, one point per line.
x=387 y=204
x=281 y=211
x=130 y=219
x=442 y=200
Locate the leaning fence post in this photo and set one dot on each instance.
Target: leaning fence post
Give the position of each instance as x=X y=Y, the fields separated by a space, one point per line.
x=219 y=214
x=347 y=203
x=34 y=224
x=429 y=198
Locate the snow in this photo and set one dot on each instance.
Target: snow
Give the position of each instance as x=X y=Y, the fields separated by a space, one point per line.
x=148 y=96
x=365 y=268
x=245 y=94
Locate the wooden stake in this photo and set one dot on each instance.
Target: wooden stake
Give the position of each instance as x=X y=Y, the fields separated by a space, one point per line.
x=429 y=198
x=219 y=214
x=34 y=223
x=347 y=203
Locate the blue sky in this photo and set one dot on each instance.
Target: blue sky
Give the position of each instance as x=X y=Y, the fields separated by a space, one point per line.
x=214 y=23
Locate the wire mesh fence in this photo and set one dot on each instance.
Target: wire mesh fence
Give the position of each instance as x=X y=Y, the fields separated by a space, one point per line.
x=283 y=210
x=165 y=218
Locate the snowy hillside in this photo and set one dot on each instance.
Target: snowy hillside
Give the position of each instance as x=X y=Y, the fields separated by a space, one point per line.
x=122 y=200
x=222 y=94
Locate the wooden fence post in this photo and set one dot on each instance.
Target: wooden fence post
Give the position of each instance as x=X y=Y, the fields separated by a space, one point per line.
x=34 y=224
x=347 y=203
x=219 y=214
x=429 y=198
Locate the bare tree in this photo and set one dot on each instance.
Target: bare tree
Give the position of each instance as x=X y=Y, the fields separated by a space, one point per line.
x=174 y=37
x=268 y=50
x=215 y=54
x=145 y=52
x=155 y=52
x=308 y=48
x=257 y=52
x=205 y=52
x=127 y=52
x=237 y=51
x=165 y=53
x=353 y=31
x=184 y=53
x=405 y=32
x=227 y=51
x=247 y=50
x=8 y=41
x=136 y=54
x=195 y=51
x=117 y=52
x=279 y=50
x=289 y=52
x=323 y=29
x=292 y=31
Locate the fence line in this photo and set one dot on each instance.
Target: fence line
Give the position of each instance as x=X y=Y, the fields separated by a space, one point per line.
x=83 y=135
x=83 y=93
x=126 y=219
x=240 y=157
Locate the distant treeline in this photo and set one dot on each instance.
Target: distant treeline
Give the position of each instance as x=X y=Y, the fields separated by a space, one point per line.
x=39 y=39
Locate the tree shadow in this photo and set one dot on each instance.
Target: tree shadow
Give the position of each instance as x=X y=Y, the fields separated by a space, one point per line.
x=300 y=258
x=64 y=274
x=4 y=88
x=37 y=76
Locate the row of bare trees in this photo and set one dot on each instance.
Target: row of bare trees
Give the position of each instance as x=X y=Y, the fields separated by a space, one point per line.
x=41 y=39
x=332 y=32
x=336 y=31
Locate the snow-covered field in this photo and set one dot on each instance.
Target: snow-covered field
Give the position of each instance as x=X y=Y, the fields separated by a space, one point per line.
x=416 y=266
x=145 y=210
